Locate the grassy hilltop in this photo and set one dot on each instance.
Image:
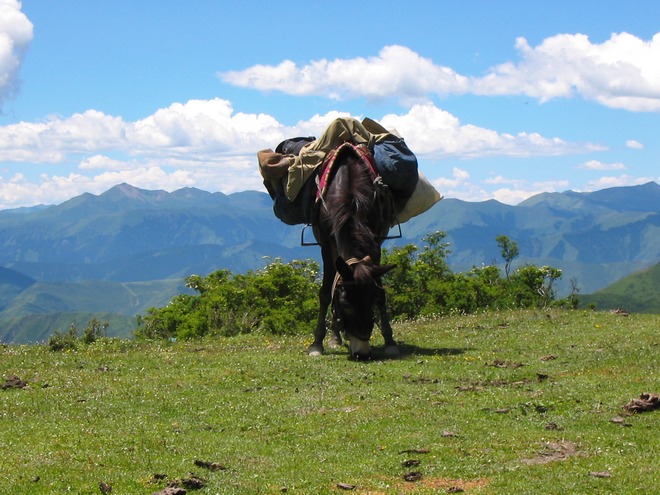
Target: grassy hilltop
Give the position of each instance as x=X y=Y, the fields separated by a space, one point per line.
x=497 y=403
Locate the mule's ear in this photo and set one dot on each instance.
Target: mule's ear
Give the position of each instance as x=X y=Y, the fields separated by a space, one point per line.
x=344 y=270
x=381 y=270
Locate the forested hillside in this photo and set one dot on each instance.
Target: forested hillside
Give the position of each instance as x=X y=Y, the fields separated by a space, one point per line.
x=83 y=254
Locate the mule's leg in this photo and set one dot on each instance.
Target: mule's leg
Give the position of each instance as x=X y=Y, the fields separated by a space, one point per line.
x=325 y=298
x=316 y=349
x=391 y=347
x=335 y=336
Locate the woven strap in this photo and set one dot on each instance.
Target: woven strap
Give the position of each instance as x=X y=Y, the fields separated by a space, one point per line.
x=327 y=168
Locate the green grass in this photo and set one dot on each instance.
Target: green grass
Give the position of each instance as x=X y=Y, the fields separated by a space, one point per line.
x=513 y=402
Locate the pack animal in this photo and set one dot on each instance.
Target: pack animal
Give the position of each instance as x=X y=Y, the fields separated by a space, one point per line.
x=352 y=218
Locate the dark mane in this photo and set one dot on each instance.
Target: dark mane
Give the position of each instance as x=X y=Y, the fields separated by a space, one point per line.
x=352 y=199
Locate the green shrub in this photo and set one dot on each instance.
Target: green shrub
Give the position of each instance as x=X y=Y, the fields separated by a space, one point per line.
x=281 y=298
x=60 y=341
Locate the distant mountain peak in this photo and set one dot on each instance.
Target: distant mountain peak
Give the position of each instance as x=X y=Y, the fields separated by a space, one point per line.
x=644 y=197
x=125 y=188
x=127 y=191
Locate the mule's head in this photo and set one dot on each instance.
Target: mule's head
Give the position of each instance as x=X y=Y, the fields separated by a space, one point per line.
x=357 y=290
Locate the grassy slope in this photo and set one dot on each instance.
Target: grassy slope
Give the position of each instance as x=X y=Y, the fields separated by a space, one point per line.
x=639 y=292
x=517 y=402
x=38 y=328
x=35 y=313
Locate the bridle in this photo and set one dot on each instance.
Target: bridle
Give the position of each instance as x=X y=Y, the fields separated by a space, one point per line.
x=338 y=282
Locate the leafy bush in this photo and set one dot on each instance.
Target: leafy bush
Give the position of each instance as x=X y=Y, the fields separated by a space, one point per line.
x=60 y=341
x=422 y=283
x=282 y=298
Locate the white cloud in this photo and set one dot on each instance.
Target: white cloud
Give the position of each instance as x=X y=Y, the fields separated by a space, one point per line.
x=522 y=190
x=622 y=72
x=397 y=71
x=459 y=178
x=460 y=185
x=503 y=180
x=598 y=165
x=18 y=190
x=620 y=181
x=636 y=145
x=206 y=144
x=434 y=133
x=208 y=126
x=210 y=130
x=198 y=127
x=101 y=162
x=15 y=37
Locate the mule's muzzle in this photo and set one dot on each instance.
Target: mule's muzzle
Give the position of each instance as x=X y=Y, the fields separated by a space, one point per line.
x=360 y=350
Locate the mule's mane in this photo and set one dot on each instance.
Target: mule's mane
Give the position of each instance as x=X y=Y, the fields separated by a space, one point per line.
x=350 y=208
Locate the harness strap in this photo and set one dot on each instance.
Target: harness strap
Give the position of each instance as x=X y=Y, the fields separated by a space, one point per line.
x=337 y=280
x=327 y=167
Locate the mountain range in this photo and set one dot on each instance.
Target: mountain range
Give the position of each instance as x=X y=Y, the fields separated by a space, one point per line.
x=128 y=249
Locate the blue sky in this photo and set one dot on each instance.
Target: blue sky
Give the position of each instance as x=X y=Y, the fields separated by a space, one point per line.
x=499 y=100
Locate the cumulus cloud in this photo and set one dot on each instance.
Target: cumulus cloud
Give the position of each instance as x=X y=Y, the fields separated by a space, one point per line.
x=198 y=127
x=598 y=165
x=523 y=190
x=436 y=134
x=636 y=145
x=622 y=72
x=210 y=129
x=618 y=181
x=20 y=190
x=512 y=192
x=207 y=144
x=15 y=37
x=460 y=185
x=395 y=71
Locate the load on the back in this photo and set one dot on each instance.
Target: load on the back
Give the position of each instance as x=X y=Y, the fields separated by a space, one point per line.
x=290 y=172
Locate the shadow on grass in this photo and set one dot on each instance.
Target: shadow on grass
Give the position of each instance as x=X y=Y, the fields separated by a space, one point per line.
x=411 y=350
x=414 y=350
x=405 y=351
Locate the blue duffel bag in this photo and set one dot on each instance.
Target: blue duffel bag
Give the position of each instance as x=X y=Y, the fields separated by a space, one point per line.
x=397 y=165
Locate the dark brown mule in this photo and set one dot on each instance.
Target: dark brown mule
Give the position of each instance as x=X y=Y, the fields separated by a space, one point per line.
x=352 y=218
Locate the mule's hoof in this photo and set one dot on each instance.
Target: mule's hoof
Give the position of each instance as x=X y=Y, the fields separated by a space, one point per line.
x=392 y=351
x=334 y=342
x=314 y=351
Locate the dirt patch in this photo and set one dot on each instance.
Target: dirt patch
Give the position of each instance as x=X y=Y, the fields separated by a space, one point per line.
x=499 y=363
x=171 y=490
x=446 y=485
x=14 y=382
x=413 y=476
x=644 y=403
x=212 y=466
x=554 y=451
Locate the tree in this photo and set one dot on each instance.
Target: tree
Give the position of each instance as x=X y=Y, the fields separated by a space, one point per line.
x=508 y=250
